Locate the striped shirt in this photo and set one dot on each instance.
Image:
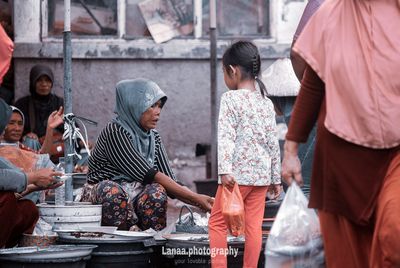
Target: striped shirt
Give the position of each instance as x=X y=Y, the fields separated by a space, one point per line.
x=114 y=155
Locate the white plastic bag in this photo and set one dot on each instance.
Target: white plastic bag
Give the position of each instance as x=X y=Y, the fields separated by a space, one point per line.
x=43 y=228
x=295 y=238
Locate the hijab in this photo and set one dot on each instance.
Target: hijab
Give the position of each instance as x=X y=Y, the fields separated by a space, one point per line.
x=5 y=114
x=354 y=47
x=36 y=72
x=133 y=98
x=43 y=105
x=16 y=110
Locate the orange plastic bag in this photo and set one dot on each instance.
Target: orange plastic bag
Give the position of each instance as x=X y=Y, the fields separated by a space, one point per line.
x=233 y=210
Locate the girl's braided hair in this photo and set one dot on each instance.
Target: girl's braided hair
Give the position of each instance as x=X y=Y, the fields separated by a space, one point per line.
x=244 y=54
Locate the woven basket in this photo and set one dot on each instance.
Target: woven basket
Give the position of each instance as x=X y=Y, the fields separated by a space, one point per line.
x=188 y=225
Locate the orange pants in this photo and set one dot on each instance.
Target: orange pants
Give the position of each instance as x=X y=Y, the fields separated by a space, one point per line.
x=375 y=246
x=254 y=204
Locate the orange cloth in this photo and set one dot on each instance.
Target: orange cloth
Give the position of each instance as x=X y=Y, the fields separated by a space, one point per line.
x=6 y=50
x=254 y=204
x=375 y=245
x=23 y=159
x=354 y=46
x=386 y=241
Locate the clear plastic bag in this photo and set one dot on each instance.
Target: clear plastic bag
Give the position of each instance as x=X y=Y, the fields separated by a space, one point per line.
x=233 y=210
x=295 y=238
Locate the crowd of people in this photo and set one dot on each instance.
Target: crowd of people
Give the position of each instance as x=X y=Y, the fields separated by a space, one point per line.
x=346 y=55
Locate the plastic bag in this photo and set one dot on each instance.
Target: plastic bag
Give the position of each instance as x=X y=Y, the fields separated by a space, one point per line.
x=43 y=228
x=233 y=210
x=295 y=238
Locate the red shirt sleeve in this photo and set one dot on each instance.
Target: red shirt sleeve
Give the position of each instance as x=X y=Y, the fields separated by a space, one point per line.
x=307 y=106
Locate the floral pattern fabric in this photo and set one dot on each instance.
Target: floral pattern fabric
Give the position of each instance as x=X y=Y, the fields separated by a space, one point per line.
x=147 y=210
x=248 y=146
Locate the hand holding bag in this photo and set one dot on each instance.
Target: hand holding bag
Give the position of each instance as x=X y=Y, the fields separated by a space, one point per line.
x=295 y=236
x=233 y=210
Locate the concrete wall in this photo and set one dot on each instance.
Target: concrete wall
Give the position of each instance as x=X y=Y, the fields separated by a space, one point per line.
x=185 y=119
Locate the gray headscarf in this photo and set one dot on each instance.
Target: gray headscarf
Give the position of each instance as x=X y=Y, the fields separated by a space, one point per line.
x=5 y=114
x=133 y=98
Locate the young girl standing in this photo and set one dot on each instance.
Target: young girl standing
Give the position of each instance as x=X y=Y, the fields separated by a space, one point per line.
x=248 y=151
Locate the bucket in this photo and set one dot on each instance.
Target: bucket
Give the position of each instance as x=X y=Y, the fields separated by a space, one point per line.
x=207 y=186
x=158 y=258
x=200 y=252
x=78 y=180
x=72 y=215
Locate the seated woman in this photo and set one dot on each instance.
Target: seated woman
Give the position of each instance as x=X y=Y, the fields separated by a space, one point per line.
x=129 y=172
x=15 y=127
x=37 y=108
x=23 y=157
x=19 y=216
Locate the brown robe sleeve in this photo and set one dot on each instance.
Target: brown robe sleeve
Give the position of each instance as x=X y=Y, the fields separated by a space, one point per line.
x=307 y=106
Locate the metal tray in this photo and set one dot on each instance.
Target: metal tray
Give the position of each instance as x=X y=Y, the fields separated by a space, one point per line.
x=116 y=236
x=51 y=252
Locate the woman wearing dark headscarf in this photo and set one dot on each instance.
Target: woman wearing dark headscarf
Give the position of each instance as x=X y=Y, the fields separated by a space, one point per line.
x=129 y=172
x=41 y=103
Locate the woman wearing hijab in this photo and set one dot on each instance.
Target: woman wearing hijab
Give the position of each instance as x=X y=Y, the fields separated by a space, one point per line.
x=351 y=87
x=19 y=216
x=38 y=107
x=15 y=127
x=22 y=156
x=41 y=103
x=129 y=171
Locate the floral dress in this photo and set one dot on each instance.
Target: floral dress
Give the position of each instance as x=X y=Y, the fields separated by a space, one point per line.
x=248 y=146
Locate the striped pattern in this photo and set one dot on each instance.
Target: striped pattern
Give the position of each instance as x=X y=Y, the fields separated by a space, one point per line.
x=115 y=155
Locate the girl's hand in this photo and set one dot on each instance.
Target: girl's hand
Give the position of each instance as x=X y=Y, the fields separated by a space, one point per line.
x=274 y=191
x=55 y=118
x=228 y=181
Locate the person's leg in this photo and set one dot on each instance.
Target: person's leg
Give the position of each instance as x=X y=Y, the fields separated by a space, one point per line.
x=254 y=205
x=151 y=207
x=217 y=232
x=116 y=210
x=8 y=206
x=345 y=243
x=385 y=250
x=16 y=218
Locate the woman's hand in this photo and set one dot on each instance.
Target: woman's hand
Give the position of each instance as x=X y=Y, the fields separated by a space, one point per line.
x=291 y=167
x=55 y=118
x=44 y=178
x=228 y=181
x=33 y=188
x=204 y=202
